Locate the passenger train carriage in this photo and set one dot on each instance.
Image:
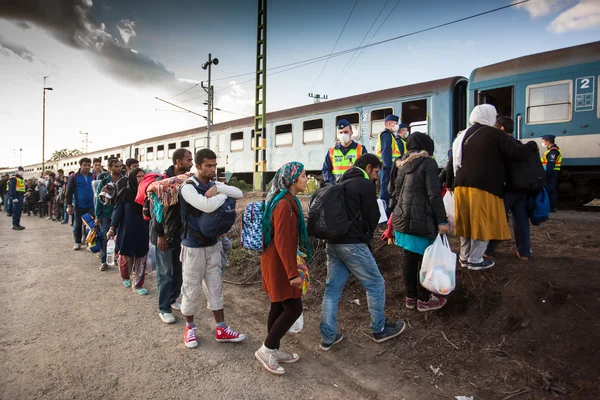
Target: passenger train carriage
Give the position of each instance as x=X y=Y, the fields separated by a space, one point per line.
x=548 y=93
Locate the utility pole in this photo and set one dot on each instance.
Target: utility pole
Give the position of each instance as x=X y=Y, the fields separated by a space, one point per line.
x=260 y=105
x=20 y=156
x=209 y=90
x=317 y=97
x=85 y=141
x=44 y=126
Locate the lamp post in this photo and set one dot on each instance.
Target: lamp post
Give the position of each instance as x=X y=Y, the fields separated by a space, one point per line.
x=44 y=126
x=207 y=65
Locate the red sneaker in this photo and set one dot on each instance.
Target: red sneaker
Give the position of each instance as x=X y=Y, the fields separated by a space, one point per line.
x=227 y=334
x=434 y=303
x=189 y=337
x=409 y=303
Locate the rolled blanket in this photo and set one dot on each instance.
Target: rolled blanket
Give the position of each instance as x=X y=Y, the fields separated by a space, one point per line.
x=167 y=190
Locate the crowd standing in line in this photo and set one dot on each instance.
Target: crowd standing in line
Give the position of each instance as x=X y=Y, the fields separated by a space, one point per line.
x=185 y=225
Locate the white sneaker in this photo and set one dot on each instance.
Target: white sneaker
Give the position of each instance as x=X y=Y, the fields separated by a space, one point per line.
x=284 y=357
x=176 y=306
x=77 y=246
x=268 y=360
x=167 y=318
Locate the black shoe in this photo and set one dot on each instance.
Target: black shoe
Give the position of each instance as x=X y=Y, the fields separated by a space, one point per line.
x=9 y=215
x=338 y=338
x=18 y=228
x=391 y=330
x=485 y=264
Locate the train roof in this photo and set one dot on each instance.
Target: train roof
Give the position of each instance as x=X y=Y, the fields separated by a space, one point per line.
x=319 y=108
x=581 y=54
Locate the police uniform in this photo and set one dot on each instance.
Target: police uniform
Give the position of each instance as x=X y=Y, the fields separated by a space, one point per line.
x=340 y=158
x=387 y=152
x=17 y=193
x=400 y=141
x=552 y=162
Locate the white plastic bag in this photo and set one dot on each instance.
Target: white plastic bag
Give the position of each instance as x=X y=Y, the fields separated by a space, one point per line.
x=438 y=269
x=298 y=325
x=449 y=206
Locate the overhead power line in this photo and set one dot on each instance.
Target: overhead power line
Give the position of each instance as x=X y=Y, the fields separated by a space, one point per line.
x=336 y=42
x=299 y=64
x=351 y=63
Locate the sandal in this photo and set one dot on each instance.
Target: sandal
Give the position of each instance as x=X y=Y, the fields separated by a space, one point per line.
x=142 y=291
x=127 y=283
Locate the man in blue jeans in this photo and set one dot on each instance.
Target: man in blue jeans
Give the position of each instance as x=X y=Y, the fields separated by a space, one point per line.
x=351 y=255
x=166 y=236
x=517 y=204
x=80 y=192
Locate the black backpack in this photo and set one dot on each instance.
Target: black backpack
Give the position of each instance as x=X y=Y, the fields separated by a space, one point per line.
x=527 y=175
x=327 y=213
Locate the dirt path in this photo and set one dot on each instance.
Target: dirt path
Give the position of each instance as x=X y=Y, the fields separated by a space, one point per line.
x=72 y=332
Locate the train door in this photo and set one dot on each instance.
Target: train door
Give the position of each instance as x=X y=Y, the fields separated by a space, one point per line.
x=459 y=107
x=222 y=150
x=415 y=115
x=502 y=98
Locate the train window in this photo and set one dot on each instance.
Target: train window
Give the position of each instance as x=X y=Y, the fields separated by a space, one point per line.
x=185 y=144
x=106 y=157
x=354 y=120
x=283 y=135
x=236 y=141
x=549 y=102
x=312 y=131
x=119 y=155
x=142 y=158
x=377 y=120
x=160 y=152
x=172 y=147
x=199 y=144
x=415 y=115
x=150 y=154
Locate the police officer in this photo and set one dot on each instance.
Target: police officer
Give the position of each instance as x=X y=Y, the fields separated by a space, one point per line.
x=401 y=137
x=387 y=152
x=552 y=161
x=17 y=193
x=340 y=158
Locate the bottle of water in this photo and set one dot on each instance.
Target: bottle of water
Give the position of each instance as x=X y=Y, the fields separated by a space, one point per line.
x=110 y=252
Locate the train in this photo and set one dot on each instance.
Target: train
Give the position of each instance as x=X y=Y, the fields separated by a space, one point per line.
x=554 y=92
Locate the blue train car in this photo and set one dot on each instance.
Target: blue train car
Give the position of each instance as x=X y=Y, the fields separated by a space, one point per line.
x=556 y=93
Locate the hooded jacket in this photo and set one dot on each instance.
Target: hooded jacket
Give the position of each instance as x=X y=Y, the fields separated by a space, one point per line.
x=361 y=203
x=418 y=196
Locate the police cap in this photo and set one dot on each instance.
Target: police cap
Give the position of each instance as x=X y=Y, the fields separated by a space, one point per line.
x=392 y=117
x=549 y=138
x=342 y=123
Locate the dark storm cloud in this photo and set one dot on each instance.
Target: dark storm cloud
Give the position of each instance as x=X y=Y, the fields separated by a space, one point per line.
x=70 y=21
x=17 y=49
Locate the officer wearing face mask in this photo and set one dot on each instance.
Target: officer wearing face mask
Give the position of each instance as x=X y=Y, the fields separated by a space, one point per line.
x=401 y=138
x=387 y=152
x=341 y=157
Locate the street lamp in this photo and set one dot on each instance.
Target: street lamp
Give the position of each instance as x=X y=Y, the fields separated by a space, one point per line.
x=44 y=125
x=207 y=65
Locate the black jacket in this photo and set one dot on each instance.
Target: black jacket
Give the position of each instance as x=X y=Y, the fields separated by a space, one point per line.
x=166 y=228
x=418 y=196
x=361 y=203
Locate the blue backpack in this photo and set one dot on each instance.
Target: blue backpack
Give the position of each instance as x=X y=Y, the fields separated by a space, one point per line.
x=210 y=225
x=539 y=207
x=252 y=238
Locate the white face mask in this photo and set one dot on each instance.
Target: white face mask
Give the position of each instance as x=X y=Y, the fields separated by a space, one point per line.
x=344 y=138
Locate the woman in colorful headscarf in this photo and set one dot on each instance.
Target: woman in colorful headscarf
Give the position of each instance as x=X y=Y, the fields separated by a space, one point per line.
x=284 y=233
x=133 y=237
x=479 y=159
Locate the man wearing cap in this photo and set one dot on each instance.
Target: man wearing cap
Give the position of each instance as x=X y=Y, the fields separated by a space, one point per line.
x=401 y=136
x=340 y=158
x=552 y=161
x=387 y=152
x=16 y=188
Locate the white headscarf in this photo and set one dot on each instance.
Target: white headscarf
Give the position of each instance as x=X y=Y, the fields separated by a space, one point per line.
x=484 y=114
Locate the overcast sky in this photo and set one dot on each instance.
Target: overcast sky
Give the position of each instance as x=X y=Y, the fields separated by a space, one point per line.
x=109 y=59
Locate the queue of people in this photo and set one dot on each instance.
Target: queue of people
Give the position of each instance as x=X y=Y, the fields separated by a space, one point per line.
x=188 y=259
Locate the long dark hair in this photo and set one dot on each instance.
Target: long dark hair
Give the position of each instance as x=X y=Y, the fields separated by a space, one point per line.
x=128 y=193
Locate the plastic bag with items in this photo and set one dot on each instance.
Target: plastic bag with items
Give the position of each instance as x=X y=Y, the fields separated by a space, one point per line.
x=438 y=269
x=449 y=206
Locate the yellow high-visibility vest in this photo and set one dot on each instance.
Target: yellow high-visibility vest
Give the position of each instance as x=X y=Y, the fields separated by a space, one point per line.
x=342 y=163
x=558 y=162
x=395 y=149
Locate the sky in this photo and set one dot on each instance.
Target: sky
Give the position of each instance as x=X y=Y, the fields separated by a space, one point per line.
x=107 y=60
